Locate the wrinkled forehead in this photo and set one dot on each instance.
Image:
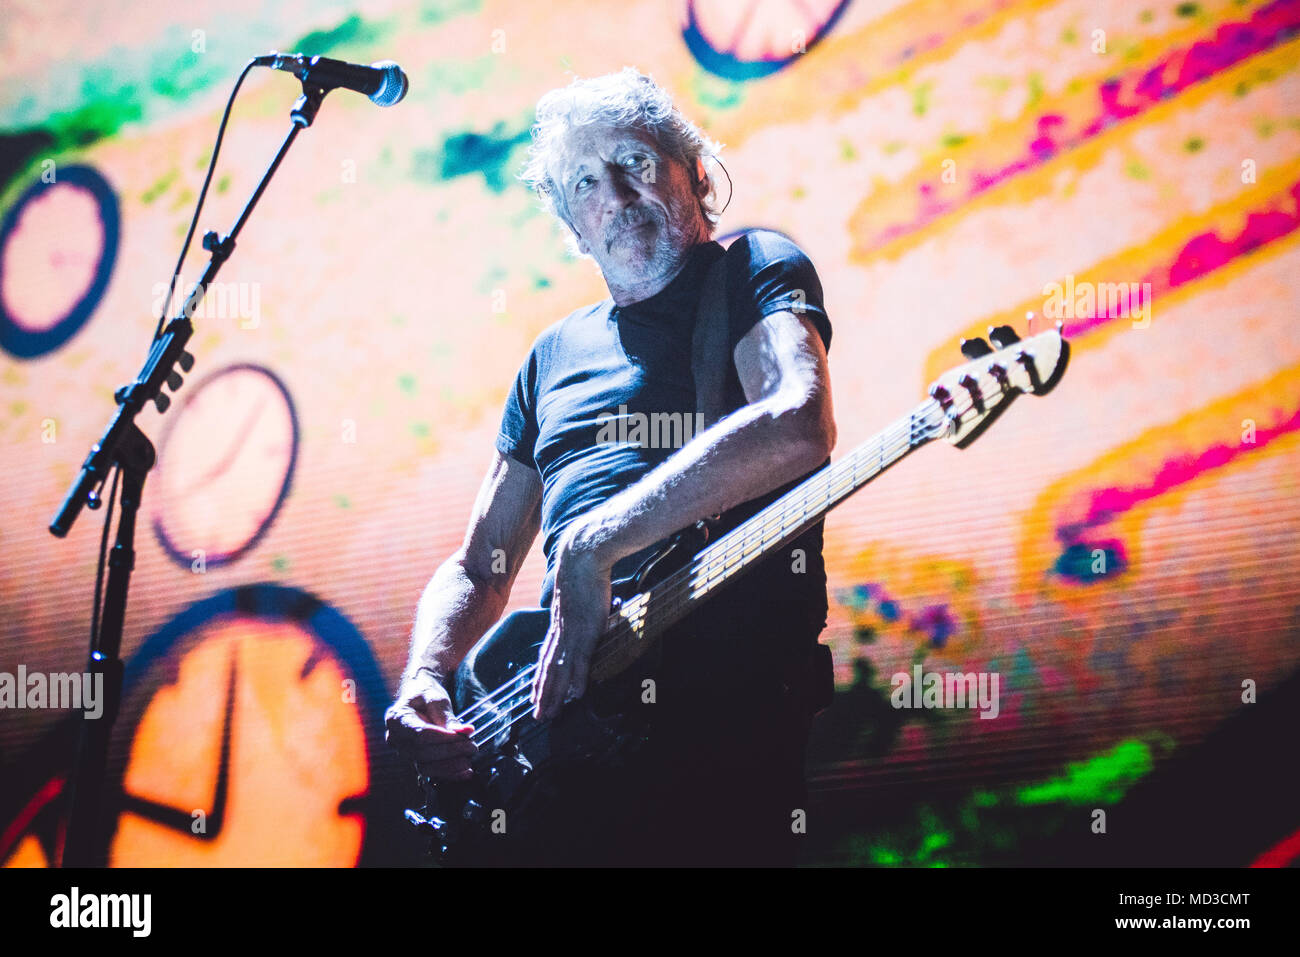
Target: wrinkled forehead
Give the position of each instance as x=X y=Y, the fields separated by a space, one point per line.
x=581 y=145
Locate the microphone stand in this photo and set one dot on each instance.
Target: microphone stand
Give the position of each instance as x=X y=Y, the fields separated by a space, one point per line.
x=123 y=445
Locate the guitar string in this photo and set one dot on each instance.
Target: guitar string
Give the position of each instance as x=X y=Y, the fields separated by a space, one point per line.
x=512 y=711
x=740 y=536
x=490 y=704
x=918 y=424
x=672 y=590
x=830 y=478
x=669 y=592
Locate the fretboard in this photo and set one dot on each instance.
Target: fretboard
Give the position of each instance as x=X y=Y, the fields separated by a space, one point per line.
x=643 y=617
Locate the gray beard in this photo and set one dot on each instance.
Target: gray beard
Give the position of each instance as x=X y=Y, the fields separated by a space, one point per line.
x=669 y=250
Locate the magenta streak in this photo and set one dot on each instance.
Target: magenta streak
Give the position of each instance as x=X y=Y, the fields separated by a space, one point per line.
x=1205 y=253
x=1107 y=503
x=1120 y=99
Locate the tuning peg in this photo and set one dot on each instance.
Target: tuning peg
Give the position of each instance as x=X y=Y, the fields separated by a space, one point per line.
x=1003 y=336
x=186 y=361
x=161 y=401
x=975 y=348
x=972 y=386
x=174 y=380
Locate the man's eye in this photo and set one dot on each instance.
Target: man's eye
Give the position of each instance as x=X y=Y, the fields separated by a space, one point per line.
x=580 y=182
x=636 y=159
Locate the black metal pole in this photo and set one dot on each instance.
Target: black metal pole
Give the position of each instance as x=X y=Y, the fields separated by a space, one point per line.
x=124 y=445
x=135 y=456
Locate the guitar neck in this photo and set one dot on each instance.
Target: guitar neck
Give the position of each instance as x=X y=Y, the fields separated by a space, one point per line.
x=642 y=618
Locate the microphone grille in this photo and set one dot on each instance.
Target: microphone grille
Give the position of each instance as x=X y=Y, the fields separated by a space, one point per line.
x=394 y=84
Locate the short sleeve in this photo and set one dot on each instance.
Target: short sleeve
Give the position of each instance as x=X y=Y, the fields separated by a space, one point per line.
x=770 y=273
x=518 y=434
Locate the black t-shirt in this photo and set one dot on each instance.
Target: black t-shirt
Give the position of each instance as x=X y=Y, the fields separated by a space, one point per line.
x=607 y=393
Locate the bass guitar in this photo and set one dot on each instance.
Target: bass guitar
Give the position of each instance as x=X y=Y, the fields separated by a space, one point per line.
x=491 y=689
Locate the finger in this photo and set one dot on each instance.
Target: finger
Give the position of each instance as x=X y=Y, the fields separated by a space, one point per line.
x=556 y=690
x=406 y=717
x=544 y=659
x=404 y=725
x=540 y=684
x=578 y=683
x=555 y=681
x=578 y=665
x=545 y=666
x=408 y=731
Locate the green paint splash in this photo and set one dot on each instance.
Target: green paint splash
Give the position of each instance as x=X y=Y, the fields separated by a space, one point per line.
x=467 y=153
x=435 y=11
x=990 y=825
x=351 y=32
x=1103 y=779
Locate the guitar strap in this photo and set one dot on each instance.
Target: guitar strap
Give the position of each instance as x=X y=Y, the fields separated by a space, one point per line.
x=710 y=363
x=711 y=368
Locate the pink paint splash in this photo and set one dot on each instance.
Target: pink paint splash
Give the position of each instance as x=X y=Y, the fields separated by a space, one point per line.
x=1205 y=253
x=1108 y=503
x=1120 y=99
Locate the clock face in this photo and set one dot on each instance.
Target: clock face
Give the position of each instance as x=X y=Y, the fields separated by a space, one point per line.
x=58 y=244
x=249 y=756
x=245 y=737
x=745 y=41
x=224 y=465
x=251 y=734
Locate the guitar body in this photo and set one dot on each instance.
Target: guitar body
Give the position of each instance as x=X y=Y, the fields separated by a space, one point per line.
x=520 y=760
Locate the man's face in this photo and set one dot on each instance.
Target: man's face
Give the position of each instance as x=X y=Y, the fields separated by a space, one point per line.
x=634 y=209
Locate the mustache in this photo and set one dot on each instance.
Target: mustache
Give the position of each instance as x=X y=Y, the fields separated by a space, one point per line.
x=634 y=216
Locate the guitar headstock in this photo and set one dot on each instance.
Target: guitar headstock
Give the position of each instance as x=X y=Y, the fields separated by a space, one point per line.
x=973 y=395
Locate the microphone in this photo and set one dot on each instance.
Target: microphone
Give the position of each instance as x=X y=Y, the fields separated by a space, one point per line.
x=384 y=82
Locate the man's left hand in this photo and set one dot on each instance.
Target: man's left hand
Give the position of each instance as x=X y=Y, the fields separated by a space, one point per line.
x=580 y=607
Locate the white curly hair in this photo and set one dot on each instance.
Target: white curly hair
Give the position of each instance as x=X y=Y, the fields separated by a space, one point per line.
x=628 y=98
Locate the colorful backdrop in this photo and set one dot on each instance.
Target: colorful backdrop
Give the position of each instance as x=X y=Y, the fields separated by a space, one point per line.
x=1123 y=552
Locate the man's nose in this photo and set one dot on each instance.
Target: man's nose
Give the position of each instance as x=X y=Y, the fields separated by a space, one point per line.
x=621 y=191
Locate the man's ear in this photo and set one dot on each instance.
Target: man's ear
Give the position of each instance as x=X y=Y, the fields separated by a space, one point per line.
x=701 y=180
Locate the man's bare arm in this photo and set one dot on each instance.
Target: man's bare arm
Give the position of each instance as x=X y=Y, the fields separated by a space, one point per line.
x=786 y=429
x=464 y=598
x=468 y=592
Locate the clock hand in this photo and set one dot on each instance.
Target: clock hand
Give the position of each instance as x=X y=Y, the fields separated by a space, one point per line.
x=223 y=768
x=180 y=820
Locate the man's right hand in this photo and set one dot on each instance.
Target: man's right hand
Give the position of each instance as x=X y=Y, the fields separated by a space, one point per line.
x=421 y=726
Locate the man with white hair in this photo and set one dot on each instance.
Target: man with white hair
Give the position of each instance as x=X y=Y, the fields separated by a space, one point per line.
x=721 y=780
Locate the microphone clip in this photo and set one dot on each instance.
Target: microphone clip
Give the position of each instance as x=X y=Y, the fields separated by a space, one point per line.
x=306 y=106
